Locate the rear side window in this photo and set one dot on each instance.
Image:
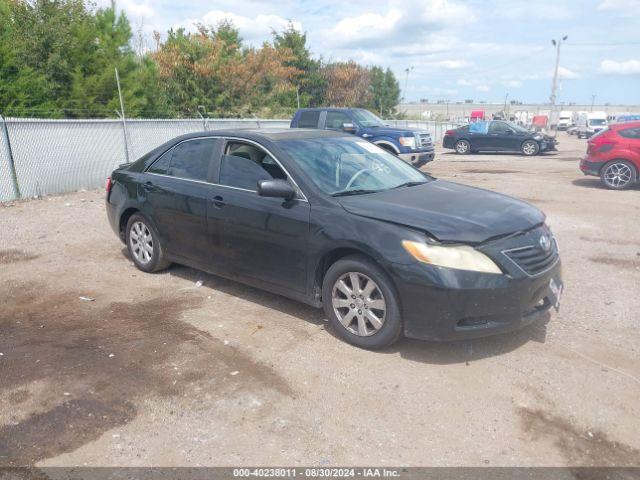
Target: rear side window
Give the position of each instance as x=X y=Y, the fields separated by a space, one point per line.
x=630 y=133
x=191 y=159
x=161 y=166
x=309 y=119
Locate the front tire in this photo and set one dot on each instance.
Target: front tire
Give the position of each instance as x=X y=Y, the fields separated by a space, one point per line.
x=618 y=175
x=530 y=148
x=143 y=243
x=463 y=147
x=361 y=304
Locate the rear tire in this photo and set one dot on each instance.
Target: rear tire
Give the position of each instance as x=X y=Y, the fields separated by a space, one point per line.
x=143 y=244
x=618 y=175
x=463 y=147
x=361 y=304
x=530 y=148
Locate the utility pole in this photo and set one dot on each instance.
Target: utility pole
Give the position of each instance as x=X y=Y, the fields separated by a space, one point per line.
x=124 y=120
x=298 y=96
x=593 y=101
x=505 y=106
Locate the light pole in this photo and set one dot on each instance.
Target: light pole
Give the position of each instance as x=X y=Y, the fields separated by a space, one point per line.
x=593 y=101
x=554 y=84
x=406 y=81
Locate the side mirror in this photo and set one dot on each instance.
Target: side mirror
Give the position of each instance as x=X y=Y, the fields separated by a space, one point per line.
x=510 y=132
x=276 y=188
x=349 y=128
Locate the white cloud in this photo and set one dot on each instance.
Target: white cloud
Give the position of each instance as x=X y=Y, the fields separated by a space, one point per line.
x=464 y=82
x=254 y=30
x=512 y=83
x=626 y=67
x=627 y=6
x=363 y=27
x=453 y=64
x=137 y=9
x=483 y=88
x=564 y=72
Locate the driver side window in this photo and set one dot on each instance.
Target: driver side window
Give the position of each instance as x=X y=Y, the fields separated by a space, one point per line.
x=336 y=120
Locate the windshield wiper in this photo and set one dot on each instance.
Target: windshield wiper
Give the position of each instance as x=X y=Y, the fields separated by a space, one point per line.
x=357 y=191
x=408 y=184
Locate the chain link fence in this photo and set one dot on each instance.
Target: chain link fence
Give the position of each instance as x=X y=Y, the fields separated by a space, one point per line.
x=42 y=156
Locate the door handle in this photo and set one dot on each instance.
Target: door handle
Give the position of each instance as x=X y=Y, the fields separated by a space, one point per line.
x=218 y=201
x=147 y=186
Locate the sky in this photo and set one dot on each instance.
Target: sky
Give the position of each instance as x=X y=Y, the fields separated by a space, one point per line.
x=454 y=49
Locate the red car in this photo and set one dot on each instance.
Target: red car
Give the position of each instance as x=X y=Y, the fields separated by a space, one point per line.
x=614 y=155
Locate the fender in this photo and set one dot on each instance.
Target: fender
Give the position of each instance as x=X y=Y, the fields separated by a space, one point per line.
x=387 y=142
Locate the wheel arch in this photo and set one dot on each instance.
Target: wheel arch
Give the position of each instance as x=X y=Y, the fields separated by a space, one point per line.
x=332 y=256
x=124 y=219
x=387 y=145
x=622 y=159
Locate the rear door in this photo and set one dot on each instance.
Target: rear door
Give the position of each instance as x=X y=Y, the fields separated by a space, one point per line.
x=478 y=135
x=177 y=188
x=262 y=238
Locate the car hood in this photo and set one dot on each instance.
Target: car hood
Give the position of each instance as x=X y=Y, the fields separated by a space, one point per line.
x=448 y=211
x=390 y=131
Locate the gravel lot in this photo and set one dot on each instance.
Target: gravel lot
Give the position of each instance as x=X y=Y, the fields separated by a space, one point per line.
x=157 y=371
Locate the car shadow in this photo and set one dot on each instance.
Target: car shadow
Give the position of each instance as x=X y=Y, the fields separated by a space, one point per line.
x=429 y=352
x=594 y=182
x=466 y=351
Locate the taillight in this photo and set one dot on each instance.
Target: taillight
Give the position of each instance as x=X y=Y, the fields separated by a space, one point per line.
x=108 y=185
x=449 y=132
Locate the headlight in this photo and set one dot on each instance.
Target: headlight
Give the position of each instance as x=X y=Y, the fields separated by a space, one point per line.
x=460 y=257
x=408 y=142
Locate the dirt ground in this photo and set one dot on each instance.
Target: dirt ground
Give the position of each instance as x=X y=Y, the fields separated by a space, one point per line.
x=150 y=369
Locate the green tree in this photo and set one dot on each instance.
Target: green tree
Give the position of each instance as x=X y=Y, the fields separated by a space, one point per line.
x=385 y=92
x=310 y=83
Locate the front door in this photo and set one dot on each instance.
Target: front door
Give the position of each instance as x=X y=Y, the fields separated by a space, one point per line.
x=262 y=238
x=501 y=136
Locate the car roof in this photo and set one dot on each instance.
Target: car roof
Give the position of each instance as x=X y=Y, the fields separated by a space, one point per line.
x=273 y=134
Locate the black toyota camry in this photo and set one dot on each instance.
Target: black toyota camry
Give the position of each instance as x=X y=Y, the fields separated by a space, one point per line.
x=336 y=222
x=497 y=136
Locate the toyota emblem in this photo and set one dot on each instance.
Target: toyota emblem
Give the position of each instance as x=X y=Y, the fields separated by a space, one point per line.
x=545 y=243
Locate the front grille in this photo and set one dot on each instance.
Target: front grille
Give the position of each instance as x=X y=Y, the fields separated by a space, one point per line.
x=533 y=259
x=425 y=140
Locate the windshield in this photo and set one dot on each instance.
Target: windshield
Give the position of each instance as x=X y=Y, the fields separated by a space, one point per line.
x=367 y=119
x=597 y=121
x=350 y=166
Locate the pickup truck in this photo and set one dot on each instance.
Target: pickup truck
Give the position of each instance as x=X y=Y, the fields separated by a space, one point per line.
x=411 y=145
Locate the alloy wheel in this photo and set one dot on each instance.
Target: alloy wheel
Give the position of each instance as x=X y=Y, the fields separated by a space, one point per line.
x=462 y=147
x=359 y=304
x=617 y=175
x=141 y=242
x=529 y=148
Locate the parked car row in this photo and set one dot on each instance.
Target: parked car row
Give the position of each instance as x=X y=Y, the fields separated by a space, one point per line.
x=413 y=146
